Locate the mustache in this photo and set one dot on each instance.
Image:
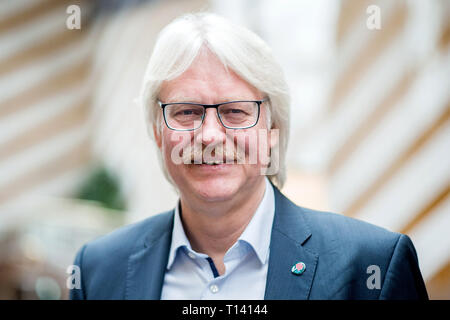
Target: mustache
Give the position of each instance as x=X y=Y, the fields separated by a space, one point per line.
x=218 y=153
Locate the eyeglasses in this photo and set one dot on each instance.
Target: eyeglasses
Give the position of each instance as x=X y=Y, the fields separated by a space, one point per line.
x=186 y=116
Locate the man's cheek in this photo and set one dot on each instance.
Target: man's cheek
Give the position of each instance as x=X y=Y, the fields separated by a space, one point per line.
x=246 y=146
x=175 y=145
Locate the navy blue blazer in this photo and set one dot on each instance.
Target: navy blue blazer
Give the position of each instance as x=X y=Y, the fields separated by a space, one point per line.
x=130 y=262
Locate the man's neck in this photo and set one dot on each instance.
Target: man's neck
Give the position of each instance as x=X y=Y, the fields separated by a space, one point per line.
x=212 y=228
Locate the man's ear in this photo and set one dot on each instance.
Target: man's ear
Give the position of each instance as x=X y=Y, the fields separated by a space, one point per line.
x=157 y=136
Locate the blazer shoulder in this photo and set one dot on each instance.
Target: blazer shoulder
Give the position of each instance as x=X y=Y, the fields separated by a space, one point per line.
x=353 y=246
x=353 y=233
x=103 y=262
x=118 y=244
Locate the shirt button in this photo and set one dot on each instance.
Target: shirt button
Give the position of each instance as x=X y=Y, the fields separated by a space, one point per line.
x=214 y=288
x=191 y=255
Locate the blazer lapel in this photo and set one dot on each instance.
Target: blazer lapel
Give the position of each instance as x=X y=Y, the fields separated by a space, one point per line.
x=289 y=233
x=147 y=265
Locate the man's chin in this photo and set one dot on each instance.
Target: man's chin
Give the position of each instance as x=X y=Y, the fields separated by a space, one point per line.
x=215 y=189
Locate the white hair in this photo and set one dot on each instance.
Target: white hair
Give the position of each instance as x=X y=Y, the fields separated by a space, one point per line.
x=238 y=48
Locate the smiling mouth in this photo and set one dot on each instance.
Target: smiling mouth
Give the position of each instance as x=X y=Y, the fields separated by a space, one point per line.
x=214 y=162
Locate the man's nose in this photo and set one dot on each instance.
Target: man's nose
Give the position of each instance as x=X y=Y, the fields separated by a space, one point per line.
x=212 y=130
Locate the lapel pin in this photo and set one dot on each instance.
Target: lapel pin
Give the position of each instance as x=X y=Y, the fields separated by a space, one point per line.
x=298 y=268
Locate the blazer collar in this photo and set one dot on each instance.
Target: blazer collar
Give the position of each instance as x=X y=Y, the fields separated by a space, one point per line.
x=147 y=263
x=290 y=232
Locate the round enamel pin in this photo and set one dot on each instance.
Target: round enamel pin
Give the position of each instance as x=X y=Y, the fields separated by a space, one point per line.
x=298 y=268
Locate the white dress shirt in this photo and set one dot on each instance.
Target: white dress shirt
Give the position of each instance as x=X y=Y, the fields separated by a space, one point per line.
x=192 y=275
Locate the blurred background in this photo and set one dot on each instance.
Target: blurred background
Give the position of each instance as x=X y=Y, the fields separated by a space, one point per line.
x=370 y=129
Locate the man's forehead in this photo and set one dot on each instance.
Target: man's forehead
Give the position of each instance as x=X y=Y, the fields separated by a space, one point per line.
x=208 y=90
x=198 y=99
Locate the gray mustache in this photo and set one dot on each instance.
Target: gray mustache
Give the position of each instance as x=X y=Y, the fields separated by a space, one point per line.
x=218 y=153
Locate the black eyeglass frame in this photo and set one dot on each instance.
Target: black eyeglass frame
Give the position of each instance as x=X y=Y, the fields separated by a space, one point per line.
x=215 y=106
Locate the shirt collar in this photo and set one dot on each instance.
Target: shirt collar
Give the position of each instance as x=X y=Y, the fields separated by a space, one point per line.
x=257 y=233
x=179 y=238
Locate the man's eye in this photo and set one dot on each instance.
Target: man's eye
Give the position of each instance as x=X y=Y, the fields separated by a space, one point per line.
x=187 y=112
x=238 y=111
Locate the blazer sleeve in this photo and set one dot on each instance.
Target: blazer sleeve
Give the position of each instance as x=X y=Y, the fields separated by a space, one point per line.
x=403 y=279
x=78 y=294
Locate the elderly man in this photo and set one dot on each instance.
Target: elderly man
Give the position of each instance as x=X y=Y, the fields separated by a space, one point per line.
x=215 y=98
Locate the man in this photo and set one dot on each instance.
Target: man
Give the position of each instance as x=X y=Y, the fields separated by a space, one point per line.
x=215 y=97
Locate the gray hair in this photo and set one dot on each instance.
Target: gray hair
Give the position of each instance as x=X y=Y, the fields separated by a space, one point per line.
x=237 y=48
